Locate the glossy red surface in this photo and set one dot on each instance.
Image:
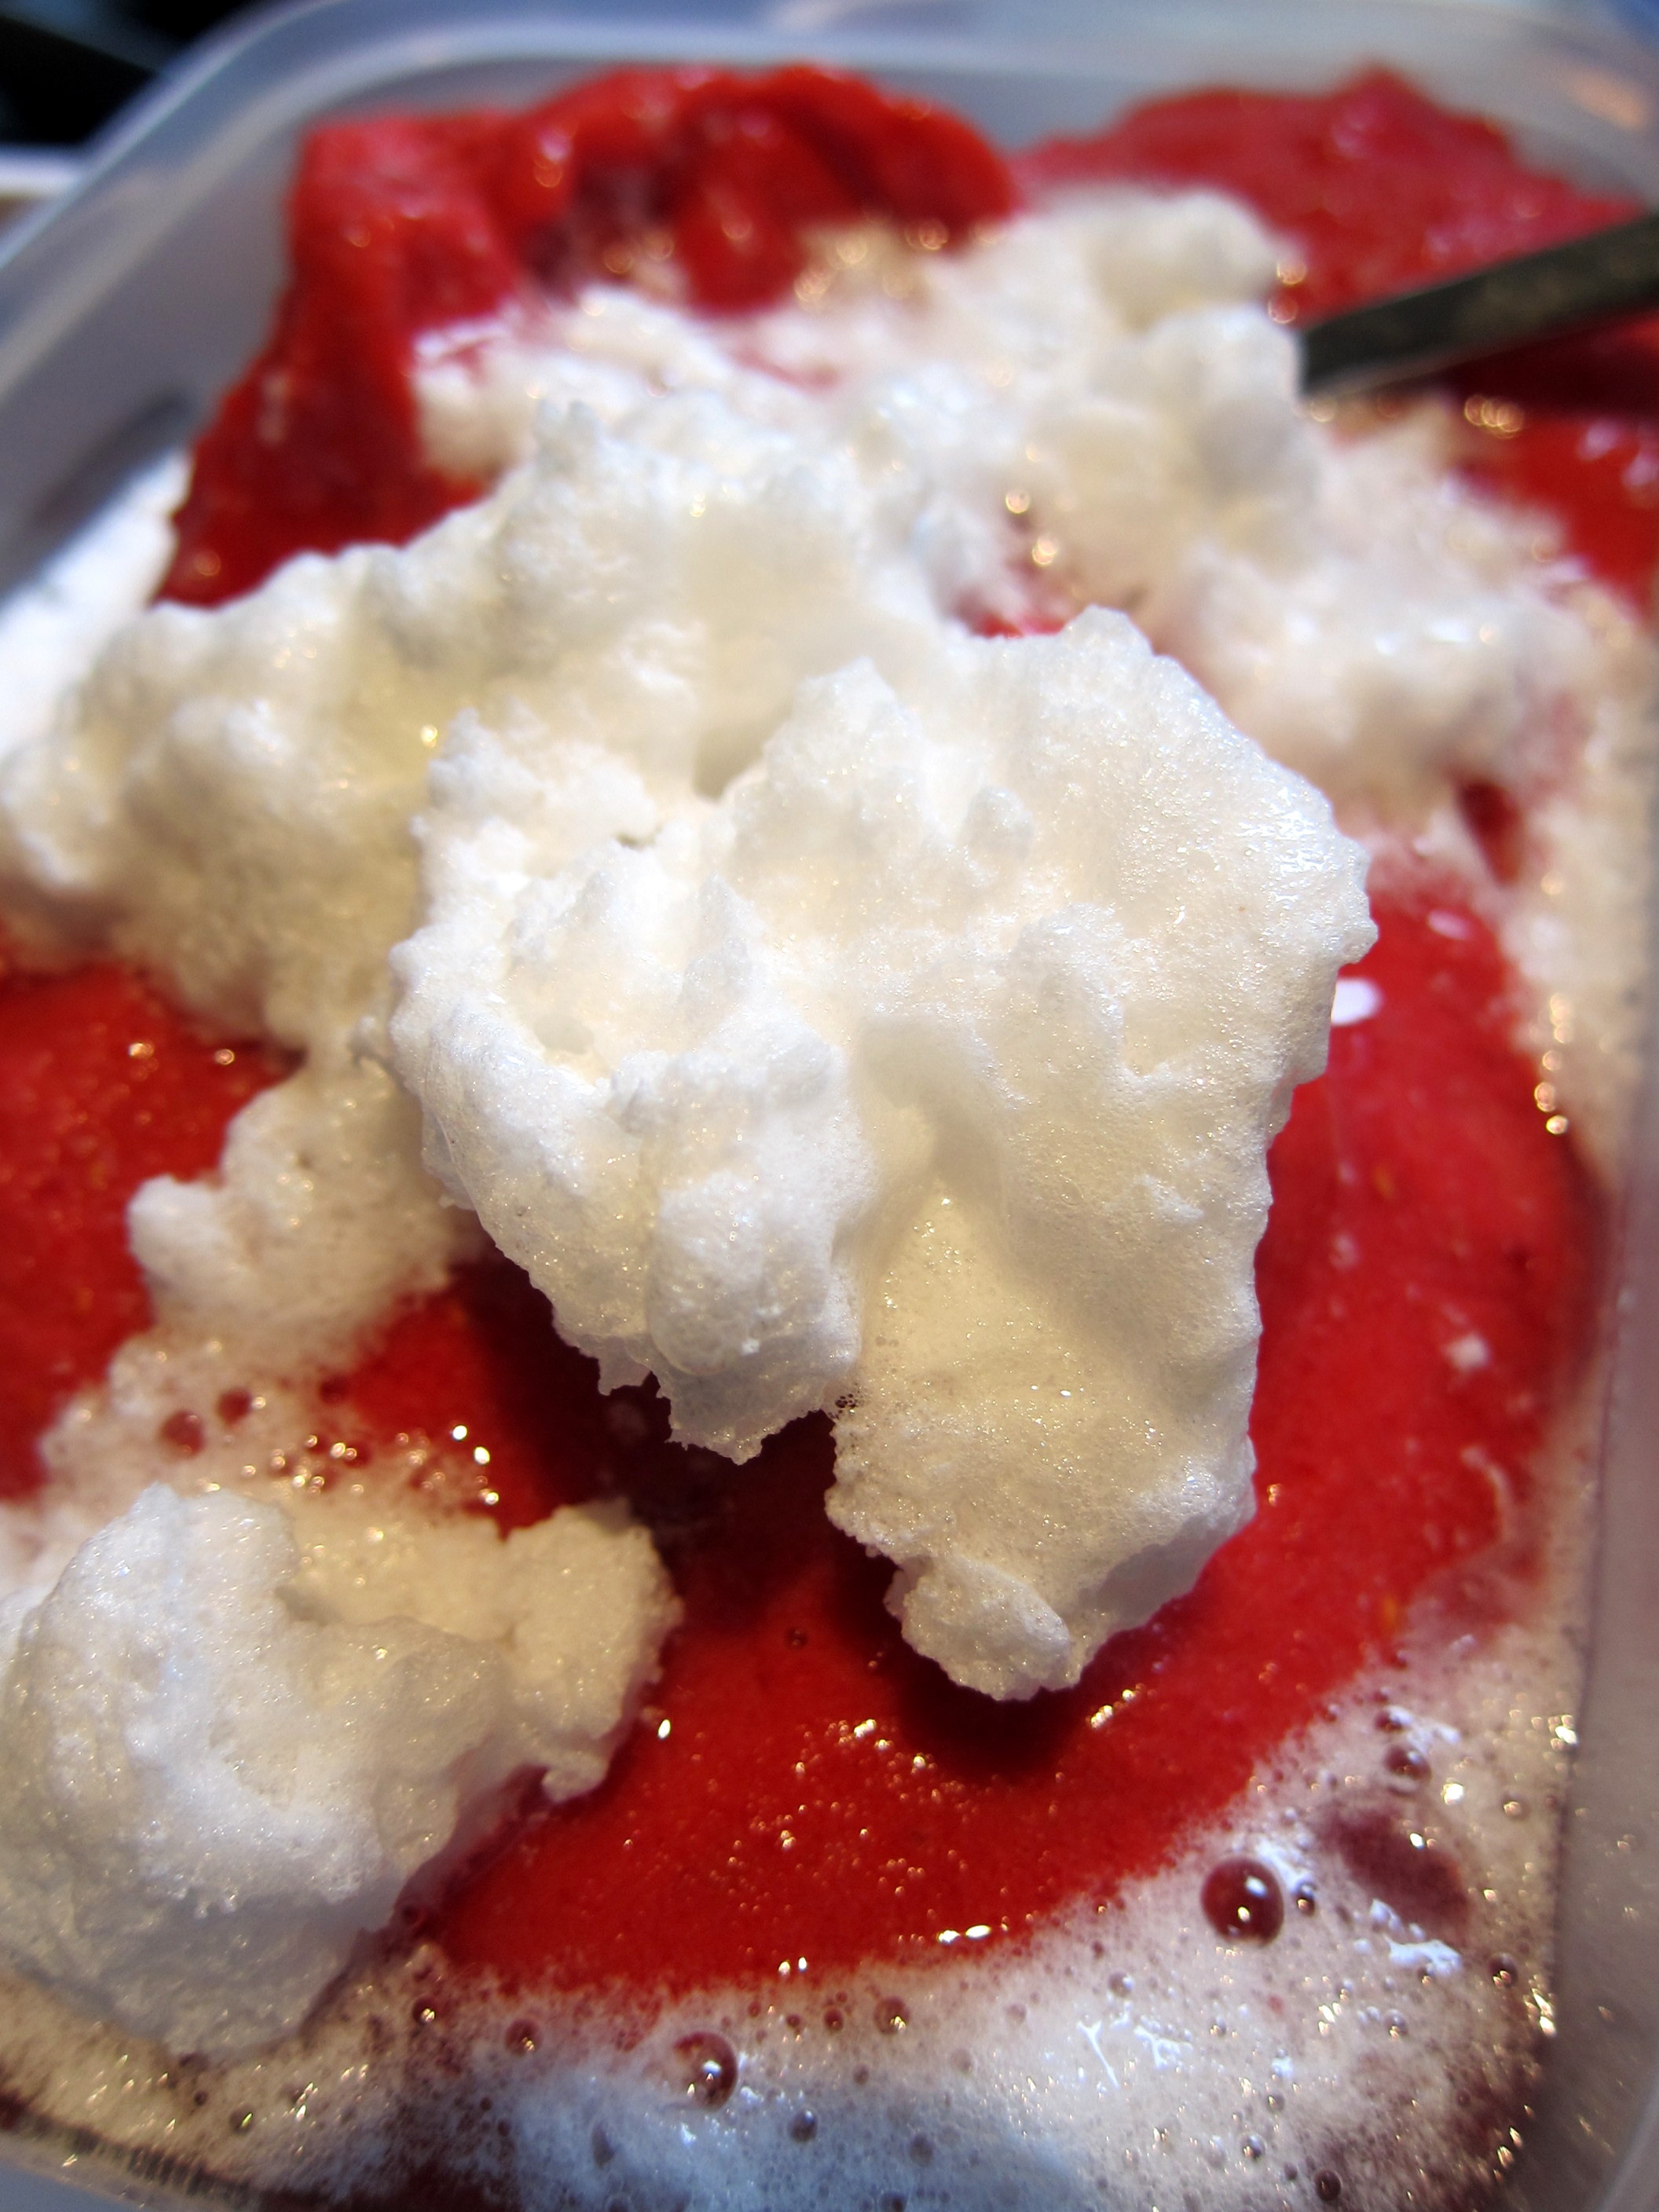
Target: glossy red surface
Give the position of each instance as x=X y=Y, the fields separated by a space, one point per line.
x=1594 y=472
x=819 y=1791
x=102 y=1084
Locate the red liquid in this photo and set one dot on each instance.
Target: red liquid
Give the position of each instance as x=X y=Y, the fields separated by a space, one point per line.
x=102 y=1084
x=1419 y=1198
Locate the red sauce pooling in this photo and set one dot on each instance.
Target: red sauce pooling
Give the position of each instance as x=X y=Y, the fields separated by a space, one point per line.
x=404 y=225
x=102 y=1084
x=1596 y=472
x=821 y=1792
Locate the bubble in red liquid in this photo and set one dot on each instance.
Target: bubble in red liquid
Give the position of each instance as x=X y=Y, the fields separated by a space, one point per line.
x=707 y=2068
x=234 y=1405
x=1494 y=818
x=1408 y=1764
x=1327 y=2187
x=182 y=1432
x=1243 y=1898
x=892 y=2018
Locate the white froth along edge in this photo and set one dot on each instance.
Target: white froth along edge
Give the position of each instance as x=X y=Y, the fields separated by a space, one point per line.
x=567 y=695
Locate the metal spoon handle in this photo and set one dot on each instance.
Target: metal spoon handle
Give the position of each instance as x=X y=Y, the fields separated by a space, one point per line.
x=1611 y=272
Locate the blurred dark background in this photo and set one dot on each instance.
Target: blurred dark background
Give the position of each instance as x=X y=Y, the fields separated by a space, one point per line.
x=67 y=65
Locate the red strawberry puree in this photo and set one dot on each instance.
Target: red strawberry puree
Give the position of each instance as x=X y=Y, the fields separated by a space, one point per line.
x=1422 y=1195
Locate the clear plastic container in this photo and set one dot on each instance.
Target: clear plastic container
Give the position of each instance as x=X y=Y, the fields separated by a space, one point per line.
x=126 y=306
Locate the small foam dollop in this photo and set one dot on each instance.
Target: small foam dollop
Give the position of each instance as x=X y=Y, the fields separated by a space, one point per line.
x=224 y=1760
x=577 y=1606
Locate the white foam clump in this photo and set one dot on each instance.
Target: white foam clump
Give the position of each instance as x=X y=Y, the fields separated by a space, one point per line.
x=576 y=1605
x=620 y=629
x=226 y=1755
x=932 y=1068
x=228 y=799
x=317 y=1220
x=1090 y=407
x=1395 y=636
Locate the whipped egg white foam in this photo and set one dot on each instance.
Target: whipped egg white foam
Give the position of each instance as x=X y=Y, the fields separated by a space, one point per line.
x=829 y=1007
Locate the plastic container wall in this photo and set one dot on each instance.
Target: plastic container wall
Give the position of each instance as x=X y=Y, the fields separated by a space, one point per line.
x=126 y=307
